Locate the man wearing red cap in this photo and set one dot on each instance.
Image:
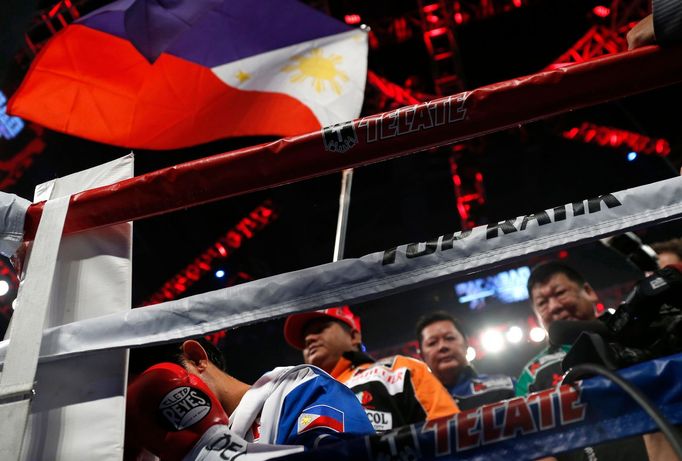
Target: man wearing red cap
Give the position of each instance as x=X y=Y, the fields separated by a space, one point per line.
x=395 y=391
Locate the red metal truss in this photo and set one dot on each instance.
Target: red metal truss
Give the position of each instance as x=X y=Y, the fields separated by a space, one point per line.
x=618 y=139
x=14 y=167
x=607 y=36
x=467 y=180
x=232 y=240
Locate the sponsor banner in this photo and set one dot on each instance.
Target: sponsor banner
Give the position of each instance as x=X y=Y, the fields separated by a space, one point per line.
x=350 y=281
x=545 y=423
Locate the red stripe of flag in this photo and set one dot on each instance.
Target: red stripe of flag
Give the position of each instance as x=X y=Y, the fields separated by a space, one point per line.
x=324 y=421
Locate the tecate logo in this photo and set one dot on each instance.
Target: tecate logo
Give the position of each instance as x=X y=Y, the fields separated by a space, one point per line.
x=184 y=406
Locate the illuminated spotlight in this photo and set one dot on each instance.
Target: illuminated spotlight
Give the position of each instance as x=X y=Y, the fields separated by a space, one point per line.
x=611 y=310
x=492 y=341
x=537 y=334
x=514 y=334
x=471 y=354
x=4 y=287
x=600 y=308
x=631 y=156
x=352 y=19
x=601 y=11
x=220 y=273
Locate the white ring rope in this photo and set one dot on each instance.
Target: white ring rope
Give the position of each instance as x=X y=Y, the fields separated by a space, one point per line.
x=356 y=280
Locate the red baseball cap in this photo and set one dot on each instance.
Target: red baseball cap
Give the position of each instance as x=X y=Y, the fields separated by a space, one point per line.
x=294 y=325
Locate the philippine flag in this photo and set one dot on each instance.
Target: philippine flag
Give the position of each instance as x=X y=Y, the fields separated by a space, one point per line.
x=166 y=75
x=320 y=416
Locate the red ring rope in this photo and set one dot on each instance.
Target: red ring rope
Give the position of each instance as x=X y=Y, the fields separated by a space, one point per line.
x=379 y=137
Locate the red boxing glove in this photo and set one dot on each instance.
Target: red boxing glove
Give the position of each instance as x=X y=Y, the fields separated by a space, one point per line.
x=169 y=409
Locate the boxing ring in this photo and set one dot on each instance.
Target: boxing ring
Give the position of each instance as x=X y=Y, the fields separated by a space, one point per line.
x=97 y=206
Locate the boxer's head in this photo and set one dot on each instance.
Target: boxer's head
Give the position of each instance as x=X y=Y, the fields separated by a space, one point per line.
x=198 y=357
x=169 y=409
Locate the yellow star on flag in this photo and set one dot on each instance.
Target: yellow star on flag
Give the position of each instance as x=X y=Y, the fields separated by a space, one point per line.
x=242 y=76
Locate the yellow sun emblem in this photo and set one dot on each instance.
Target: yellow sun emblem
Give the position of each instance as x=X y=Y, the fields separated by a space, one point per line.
x=321 y=69
x=305 y=420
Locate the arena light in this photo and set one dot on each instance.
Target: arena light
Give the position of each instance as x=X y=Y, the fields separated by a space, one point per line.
x=617 y=138
x=4 y=287
x=492 y=341
x=514 y=334
x=632 y=156
x=352 y=19
x=9 y=126
x=220 y=273
x=471 y=354
x=601 y=11
x=537 y=334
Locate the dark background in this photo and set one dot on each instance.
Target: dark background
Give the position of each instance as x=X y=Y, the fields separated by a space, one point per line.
x=404 y=200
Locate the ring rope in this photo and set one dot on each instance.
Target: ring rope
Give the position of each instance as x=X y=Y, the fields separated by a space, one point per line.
x=371 y=139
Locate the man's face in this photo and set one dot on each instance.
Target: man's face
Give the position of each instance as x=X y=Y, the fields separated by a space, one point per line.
x=666 y=257
x=560 y=298
x=325 y=341
x=443 y=348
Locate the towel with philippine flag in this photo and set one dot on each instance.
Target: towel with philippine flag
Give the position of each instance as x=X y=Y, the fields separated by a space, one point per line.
x=320 y=416
x=165 y=75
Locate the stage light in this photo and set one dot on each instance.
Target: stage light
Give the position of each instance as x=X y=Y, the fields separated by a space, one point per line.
x=631 y=156
x=601 y=11
x=661 y=147
x=352 y=19
x=4 y=287
x=537 y=334
x=611 y=310
x=9 y=126
x=514 y=334
x=220 y=273
x=600 y=308
x=492 y=341
x=471 y=354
